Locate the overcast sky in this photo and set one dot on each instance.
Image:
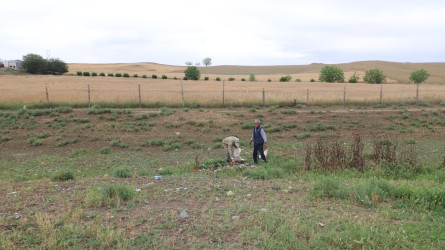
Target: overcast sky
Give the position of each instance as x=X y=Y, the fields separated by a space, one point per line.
x=231 y=32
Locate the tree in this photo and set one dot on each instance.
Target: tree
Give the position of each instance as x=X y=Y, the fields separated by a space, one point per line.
x=188 y=63
x=331 y=74
x=285 y=78
x=419 y=76
x=252 y=78
x=207 y=61
x=34 y=64
x=192 y=73
x=374 y=76
x=57 y=66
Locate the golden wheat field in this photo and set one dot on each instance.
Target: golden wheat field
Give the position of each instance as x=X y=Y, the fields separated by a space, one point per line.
x=112 y=89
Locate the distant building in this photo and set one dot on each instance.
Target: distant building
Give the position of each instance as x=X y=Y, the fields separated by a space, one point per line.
x=16 y=64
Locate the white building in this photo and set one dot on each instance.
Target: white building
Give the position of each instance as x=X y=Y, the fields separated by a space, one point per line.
x=16 y=64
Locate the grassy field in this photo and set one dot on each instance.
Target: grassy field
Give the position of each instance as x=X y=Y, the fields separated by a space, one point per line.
x=83 y=178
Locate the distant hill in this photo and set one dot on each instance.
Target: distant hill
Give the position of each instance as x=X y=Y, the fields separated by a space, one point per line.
x=395 y=72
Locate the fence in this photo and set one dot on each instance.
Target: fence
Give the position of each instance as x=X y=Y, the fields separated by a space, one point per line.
x=222 y=94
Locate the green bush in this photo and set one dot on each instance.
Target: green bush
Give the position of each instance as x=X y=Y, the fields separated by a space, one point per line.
x=247 y=125
x=35 y=142
x=312 y=80
x=63 y=175
x=93 y=74
x=43 y=135
x=231 y=79
x=79 y=73
x=354 y=78
x=374 y=76
x=110 y=74
x=164 y=77
x=268 y=80
x=373 y=191
x=218 y=79
x=154 y=76
x=119 y=192
x=102 y=74
x=331 y=74
x=252 y=78
x=243 y=79
x=206 y=78
x=118 y=75
x=5 y=138
x=86 y=73
x=288 y=111
x=105 y=150
x=285 y=78
x=122 y=172
x=144 y=76
x=172 y=146
x=298 y=80
x=126 y=75
x=135 y=75
x=192 y=73
x=329 y=187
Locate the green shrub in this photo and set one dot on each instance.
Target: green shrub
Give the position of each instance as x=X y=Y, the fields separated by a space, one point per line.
x=154 y=76
x=298 y=80
x=172 y=146
x=86 y=73
x=442 y=103
x=243 y=79
x=246 y=125
x=144 y=76
x=5 y=138
x=118 y=75
x=102 y=74
x=63 y=175
x=164 y=77
x=312 y=80
x=62 y=143
x=354 y=78
x=153 y=142
x=110 y=74
x=285 y=78
x=165 y=171
x=231 y=79
x=252 y=78
x=135 y=75
x=268 y=80
x=34 y=142
x=423 y=104
x=116 y=191
x=192 y=73
x=374 y=76
x=79 y=73
x=331 y=73
x=122 y=172
x=105 y=150
x=206 y=78
x=93 y=74
x=126 y=75
x=44 y=135
x=218 y=79
x=185 y=78
x=288 y=111
x=373 y=191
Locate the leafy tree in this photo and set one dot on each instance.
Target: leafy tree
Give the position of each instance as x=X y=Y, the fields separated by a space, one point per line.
x=354 y=78
x=252 y=78
x=34 y=63
x=419 y=76
x=188 y=63
x=331 y=74
x=207 y=61
x=374 y=76
x=192 y=73
x=57 y=66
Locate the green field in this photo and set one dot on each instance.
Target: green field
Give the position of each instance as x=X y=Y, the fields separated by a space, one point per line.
x=338 y=177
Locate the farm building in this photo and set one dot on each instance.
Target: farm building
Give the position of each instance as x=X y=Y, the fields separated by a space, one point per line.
x=17 y=64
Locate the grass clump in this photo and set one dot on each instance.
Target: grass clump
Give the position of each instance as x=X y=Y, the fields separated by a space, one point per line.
x=109 y=194
x=34 y=142
x=5 y=138
x=288 y=112
x=329 y=187
x=105 y=150
x=264 y=173
x=63 y=175
x=122 y=172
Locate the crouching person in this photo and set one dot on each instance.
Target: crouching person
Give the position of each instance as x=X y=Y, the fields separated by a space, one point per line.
x=230 y=144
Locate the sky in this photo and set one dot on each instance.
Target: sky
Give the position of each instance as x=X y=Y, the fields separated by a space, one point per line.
x=230 y=32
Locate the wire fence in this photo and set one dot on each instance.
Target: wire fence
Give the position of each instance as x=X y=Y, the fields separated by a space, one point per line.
x=223 y=94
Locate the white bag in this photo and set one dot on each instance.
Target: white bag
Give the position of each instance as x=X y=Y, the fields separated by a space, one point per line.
x=237 y=154
x=265 y=153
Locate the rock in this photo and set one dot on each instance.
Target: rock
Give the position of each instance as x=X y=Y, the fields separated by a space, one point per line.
x=216 y=199
x=235 y=217
x=248 y=195
x=230 y=193
x=180 y=230
x=184 y=214
x=137 y=190
x=263 y=209
x=321 y=224
x=286 y=191
x=181 y=189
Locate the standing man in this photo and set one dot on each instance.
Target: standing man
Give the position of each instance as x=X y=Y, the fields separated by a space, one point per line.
x=259 y=139
x=229 y=144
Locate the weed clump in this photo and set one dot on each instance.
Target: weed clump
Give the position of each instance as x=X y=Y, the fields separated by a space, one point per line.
x=264 y=173
x=122 y=172
x=63 y=175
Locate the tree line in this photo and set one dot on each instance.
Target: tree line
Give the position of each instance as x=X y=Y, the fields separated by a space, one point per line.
x=36 y=64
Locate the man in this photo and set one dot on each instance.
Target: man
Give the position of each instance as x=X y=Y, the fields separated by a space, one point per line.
x=230 y=144
x=259 y=139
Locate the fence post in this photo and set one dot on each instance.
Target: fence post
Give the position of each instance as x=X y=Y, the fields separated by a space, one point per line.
x=182 y=93
x=417 y=93
x=223 y=95
x=47 y=96
x=381 y=93
x=140 y=101
x=89 y=98
x=344 y=96
x=264 y=99
x=307 y=98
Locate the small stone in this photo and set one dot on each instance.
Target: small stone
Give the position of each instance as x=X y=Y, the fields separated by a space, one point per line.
x=263 y=209
x=230 y=193
x=235 y=217
x=286 y=191
x=248 y=195
x=138 y=190
x=181 y=189
x=321 y=224
x=180 y=230
x=184 y=214
x=216 y=199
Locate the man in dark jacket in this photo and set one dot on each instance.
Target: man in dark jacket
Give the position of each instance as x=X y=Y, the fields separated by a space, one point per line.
x=259 y=140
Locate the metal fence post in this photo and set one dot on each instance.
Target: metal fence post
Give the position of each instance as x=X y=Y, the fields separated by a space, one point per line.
x=307 y=98
x=89 y=97
x=47 y=95
x=182 y=93
x=140 y=101
x=264 y=99
x=381 y=93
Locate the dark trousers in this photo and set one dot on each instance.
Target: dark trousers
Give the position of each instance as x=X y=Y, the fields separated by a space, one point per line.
x=256 y=148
